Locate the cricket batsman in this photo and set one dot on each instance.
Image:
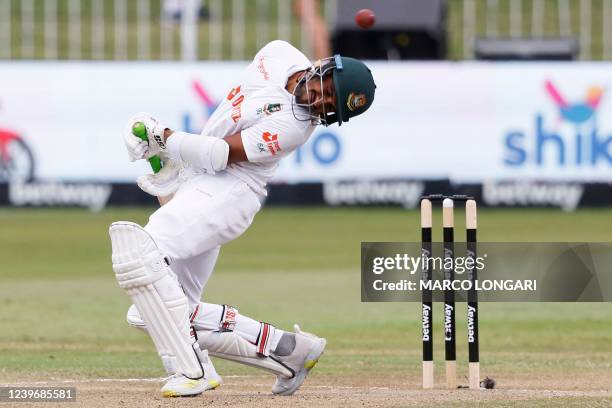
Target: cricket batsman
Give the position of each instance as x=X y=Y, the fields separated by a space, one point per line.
x=210 y=187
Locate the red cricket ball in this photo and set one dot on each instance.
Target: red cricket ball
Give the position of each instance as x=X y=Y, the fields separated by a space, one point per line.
x=365 y=18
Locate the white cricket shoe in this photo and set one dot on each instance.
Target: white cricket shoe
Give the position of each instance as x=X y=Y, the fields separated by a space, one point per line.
x=308 y=350
x=180 y=386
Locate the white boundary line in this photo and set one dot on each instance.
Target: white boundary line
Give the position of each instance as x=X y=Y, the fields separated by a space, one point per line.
x=105 y=380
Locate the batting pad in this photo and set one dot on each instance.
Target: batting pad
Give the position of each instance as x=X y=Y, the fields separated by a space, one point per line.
x=230 y=346
x=142 y=271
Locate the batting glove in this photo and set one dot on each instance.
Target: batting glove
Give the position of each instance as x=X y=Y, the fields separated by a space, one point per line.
x=163 y=183
x=136 y=147
x=140 y=149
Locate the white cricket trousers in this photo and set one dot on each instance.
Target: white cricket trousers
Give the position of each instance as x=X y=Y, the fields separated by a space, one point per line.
x=206 y=212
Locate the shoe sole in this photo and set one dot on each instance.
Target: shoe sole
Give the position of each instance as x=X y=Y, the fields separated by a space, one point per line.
x=213 y=384
x=174 y=394
x=311 y=360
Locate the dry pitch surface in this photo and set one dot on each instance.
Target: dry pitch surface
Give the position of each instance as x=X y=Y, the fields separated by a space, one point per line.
x=342 y=391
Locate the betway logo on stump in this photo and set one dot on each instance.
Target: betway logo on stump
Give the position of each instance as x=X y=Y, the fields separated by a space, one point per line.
x=92 y=196
x=426 y=329
x=448 y=322
x=471 y=323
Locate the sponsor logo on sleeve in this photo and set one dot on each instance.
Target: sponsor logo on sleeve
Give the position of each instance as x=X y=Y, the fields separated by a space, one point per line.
x=271 y=142
x=355 y=101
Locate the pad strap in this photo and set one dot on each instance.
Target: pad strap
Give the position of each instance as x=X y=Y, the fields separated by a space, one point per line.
x=264 y=339
x=193 y=315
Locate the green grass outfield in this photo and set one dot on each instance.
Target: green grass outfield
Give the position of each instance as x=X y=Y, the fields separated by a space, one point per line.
x=62 y=314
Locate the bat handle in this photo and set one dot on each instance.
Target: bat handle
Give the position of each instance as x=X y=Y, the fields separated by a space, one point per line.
x=139 y=130
x=155 y=163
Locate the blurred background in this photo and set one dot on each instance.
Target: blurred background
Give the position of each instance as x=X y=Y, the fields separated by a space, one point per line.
x=502 y=99
x=236 y=29
x=506 y=100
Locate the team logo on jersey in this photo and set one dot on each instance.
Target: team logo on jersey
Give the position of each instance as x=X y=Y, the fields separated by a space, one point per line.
x=269 y=108
x=272 y=142
x=355 y=101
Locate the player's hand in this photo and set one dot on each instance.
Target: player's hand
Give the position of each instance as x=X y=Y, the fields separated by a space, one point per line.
x=163 y=183
x=136 y=147
x=155 y=134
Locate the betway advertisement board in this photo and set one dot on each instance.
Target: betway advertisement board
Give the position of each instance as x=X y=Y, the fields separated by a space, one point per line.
x=505 y=127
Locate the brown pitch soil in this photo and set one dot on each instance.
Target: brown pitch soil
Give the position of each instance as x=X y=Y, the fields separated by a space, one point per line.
x=341 y=391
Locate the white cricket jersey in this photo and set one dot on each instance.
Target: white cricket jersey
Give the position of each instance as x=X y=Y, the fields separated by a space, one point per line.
x=259 y=107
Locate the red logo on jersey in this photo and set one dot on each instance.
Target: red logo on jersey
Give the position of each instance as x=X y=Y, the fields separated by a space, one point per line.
x=272 y=142
x=262 y=69
x=233 y=93
x=236 y=104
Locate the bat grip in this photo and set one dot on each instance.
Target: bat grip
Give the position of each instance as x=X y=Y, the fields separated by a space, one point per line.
x=155 y=163
x=140 y=131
